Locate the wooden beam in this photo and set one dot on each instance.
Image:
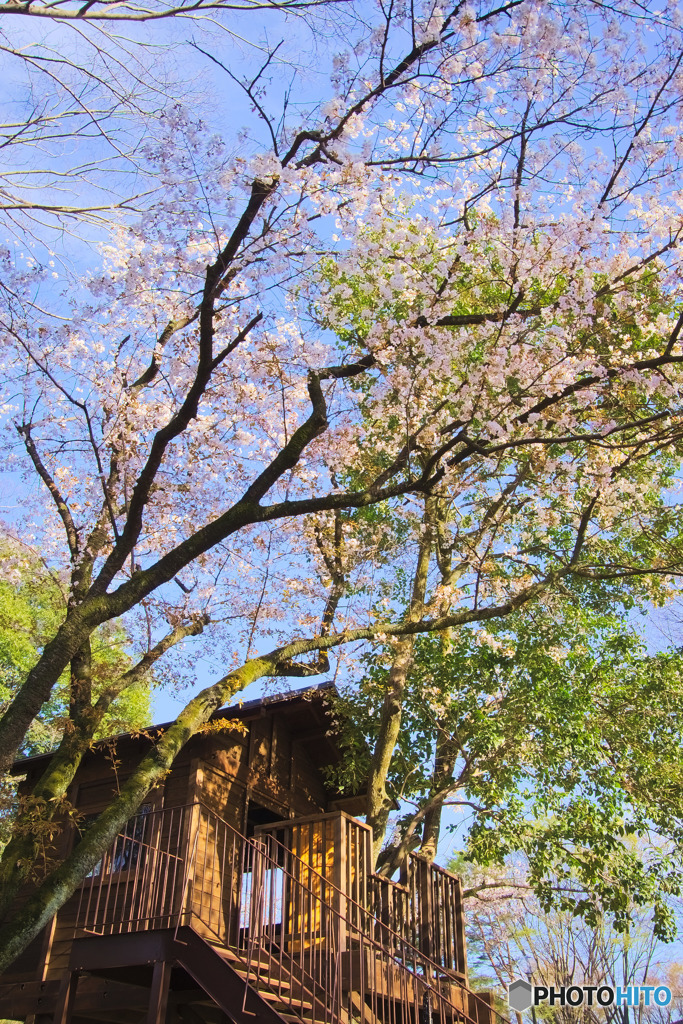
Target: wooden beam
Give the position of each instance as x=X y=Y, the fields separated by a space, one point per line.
x=27 y=998
x=65 y=998
x=158 y=996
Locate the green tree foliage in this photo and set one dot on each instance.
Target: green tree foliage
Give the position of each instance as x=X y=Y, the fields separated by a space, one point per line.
x=31 y=607
x=560 y=738
x=513 y=523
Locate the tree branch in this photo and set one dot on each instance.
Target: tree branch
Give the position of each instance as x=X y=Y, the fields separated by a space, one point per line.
x=60 y=502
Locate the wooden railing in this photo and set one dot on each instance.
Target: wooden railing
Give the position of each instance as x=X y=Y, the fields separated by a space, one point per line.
x=425 y=909
x=142 y=878
x=298 y=937
x=434 y=919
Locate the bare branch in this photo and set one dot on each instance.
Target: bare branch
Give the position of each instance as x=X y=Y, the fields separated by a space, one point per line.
x=64 y=512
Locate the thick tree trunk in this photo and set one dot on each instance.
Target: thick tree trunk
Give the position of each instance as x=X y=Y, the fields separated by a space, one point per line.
x=80 y=702
x=379 y=801
x=42 y=806
x=34 y=826
x=444 y=762
x=46 y=798
x=61 y=883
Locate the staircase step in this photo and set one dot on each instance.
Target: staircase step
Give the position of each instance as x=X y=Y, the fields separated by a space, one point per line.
x=241 y=956
x=254 y=968
x=276 y=1001
x=249 y=974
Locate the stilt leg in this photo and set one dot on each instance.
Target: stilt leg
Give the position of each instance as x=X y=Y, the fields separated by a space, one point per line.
x=65 y=998
x=158 y=997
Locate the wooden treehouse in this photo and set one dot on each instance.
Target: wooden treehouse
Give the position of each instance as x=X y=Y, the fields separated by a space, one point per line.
x=243 y=893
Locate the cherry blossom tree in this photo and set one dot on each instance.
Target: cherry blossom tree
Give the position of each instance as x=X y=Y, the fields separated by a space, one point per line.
x=89 y=84
x=427 y=329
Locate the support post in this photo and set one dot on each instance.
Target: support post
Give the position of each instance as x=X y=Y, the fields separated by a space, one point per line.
x=158 y=996
x=340 y=900
x=426 y=923
x=65 y=998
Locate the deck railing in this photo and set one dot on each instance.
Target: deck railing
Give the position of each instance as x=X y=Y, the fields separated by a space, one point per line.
x=425 y=909
x=295 y=936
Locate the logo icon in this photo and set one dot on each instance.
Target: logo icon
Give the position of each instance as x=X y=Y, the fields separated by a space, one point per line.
x=520 y=995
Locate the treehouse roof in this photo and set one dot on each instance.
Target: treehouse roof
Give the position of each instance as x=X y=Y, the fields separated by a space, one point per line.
x=305 y=712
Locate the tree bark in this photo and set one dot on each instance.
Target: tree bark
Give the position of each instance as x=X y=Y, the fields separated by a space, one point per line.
x=444 y=762
x=379 y=801
x=61 y=883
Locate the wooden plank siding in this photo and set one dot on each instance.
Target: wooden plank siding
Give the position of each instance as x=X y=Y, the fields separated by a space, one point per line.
x=270 y=762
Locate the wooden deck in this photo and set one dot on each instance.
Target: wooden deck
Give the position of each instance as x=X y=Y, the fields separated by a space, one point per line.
x=291 y=922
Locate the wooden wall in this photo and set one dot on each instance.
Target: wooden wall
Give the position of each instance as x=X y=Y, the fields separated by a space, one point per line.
x=257 y=764
x=264 y=767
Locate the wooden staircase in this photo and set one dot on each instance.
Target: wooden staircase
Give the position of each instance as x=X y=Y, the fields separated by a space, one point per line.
x=221 y=928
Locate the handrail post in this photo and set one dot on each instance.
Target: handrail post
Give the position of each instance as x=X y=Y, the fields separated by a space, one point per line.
x=190 y=855
x=426 y=908
x=339 y=878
